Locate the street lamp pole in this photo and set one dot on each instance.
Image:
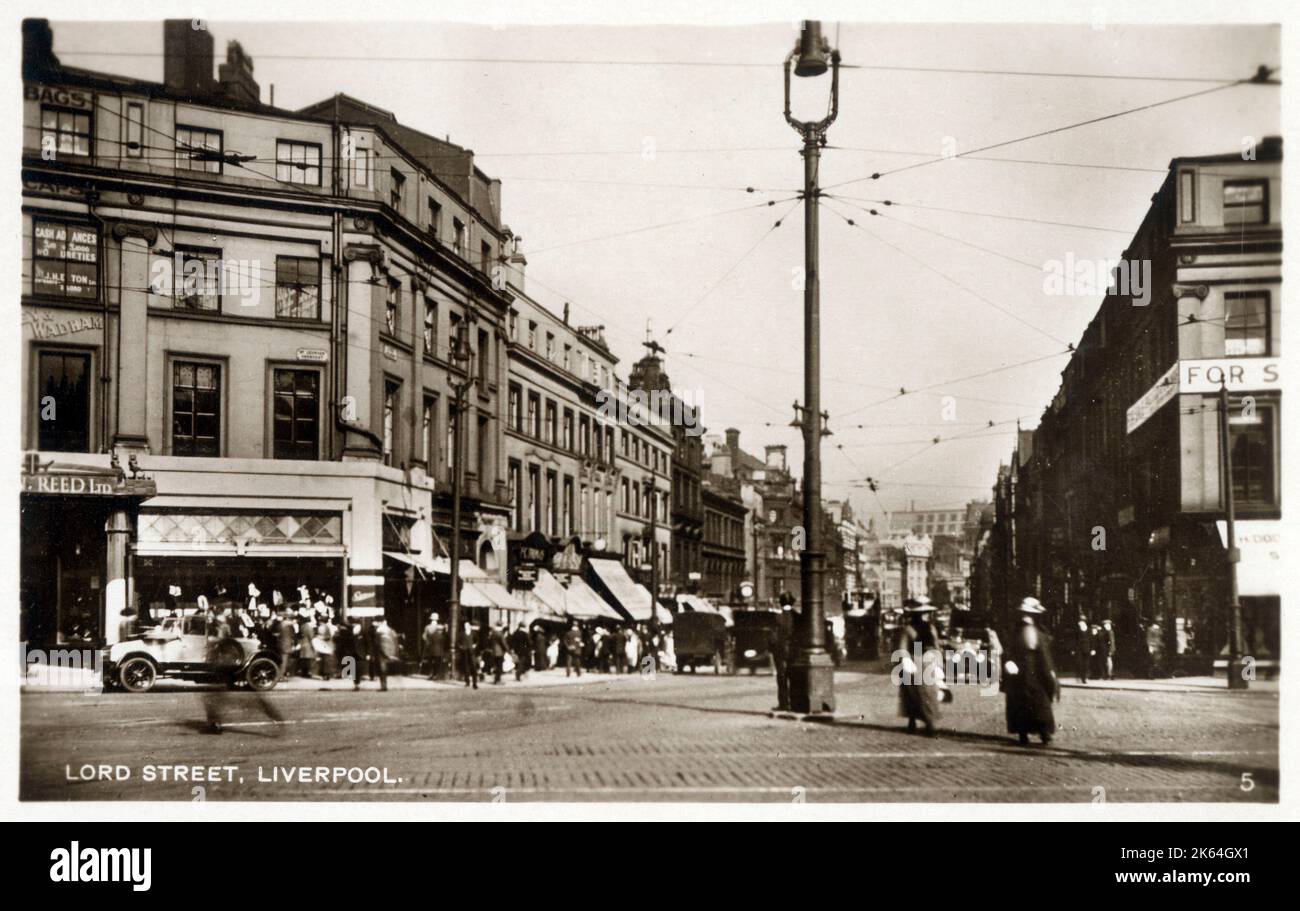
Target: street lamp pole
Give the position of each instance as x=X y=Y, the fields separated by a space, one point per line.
x=462 y=359
x=1236 y=679
x=812 y=684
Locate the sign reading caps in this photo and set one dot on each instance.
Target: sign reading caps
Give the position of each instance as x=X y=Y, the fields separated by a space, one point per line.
x=1153 y=399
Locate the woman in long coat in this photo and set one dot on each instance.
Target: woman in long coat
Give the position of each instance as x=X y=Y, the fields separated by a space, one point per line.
x=919 y=680
x=1030 y=677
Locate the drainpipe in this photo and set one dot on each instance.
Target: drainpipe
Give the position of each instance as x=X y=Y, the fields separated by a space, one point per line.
x=105 y=377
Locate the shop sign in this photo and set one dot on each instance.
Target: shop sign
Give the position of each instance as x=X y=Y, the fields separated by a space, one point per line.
x=77 y=485
x=1153 y=399
x=45 y=325
x=1259 y=542
x=319 y=355
x=63 y=97
x=1241 y=374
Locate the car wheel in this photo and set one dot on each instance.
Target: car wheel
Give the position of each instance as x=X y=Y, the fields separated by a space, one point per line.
x=137 y=675
x=262 y=674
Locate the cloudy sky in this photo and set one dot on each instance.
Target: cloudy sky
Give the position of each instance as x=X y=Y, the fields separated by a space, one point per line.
x=625 y=163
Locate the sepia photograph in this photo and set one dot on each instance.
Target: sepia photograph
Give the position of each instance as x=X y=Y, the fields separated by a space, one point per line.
x=504 y=407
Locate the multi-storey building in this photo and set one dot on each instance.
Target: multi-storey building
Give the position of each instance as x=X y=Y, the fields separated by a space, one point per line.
x=723 y=546
x=561 y=449
x=256 y=309
x=1114 y=506
x=686 y=518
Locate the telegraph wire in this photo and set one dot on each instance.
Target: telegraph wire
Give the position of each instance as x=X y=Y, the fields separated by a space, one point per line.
x=667 y=224
x=852 y=223
x=849 y=200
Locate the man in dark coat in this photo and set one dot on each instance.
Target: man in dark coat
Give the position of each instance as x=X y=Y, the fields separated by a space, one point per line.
x=521 y=644
x=285 y=640
x=345 y=649
x=1082 y=647
x=781 y=635
x=1030 y=677
x=497 y=648
x=386 y=651
x=469 y=654
x=540 y=644
x=573 y=650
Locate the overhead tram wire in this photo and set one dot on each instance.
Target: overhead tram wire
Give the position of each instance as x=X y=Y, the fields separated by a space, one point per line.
x=721 y=64
x=849 y=200
x=1054 y=130
x=994 y=158
x=853 y=223
x=734 y=266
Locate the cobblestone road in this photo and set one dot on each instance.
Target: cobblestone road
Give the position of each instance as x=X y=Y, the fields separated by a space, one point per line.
x=698 y=738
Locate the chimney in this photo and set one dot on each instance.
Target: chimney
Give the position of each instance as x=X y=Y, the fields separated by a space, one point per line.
x=236 y=75
x=566 y=313
x=775 y=457
x=733 y=439
x=187 y=57
x=38 y=49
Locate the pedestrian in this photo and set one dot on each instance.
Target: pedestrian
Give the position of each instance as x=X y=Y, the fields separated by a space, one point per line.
x=552 y=651
x=306 y=645
x=386 y=652
x=1108 y=645
x=469 y=654
x=632 y=648
x=618 y=650
x=324 y=646
x=779 y=638
x=1097 y=652
x=345 y=650
x=497 y=648
x=539 y=649
x=433 y=645
x=1082 y=647
x=286 y=643
x=521 y=644
x=1030 y=678
x=919 y=670
x=573 y=651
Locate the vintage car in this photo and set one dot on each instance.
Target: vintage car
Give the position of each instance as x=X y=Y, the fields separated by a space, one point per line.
x=974 y=655
x=700 y=638
x=181 y=647
x=753 y=633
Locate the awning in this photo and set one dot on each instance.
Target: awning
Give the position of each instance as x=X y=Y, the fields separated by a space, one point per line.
x=661 y=612
x=626 y=596
x=547 y=596
x=500 y=596
x=582 y=603
x=473 y=596
x=697 y=604
x=468 y=570
x=415 y=560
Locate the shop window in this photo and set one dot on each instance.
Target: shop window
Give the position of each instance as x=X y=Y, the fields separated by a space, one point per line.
x=297 y=162
x=196 y=409
x=65 y=259
x=66 y=132
x=1245 y=202
x=198 y=149
x=1245 y=326
x=296 y=419
x=63 y=404
x=297 y=287
x=197 y=279
x=1253 y=437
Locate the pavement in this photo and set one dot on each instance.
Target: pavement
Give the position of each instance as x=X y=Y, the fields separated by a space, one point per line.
x=635 y=737
x=1171 y=684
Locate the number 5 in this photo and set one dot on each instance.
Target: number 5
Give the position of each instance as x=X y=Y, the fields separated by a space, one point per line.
x=1247 y=783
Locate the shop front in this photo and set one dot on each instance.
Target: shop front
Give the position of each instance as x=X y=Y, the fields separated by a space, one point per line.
x=184 y=553
x=74 y=530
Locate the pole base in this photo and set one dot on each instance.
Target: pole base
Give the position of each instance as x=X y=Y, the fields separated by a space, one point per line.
x=1236 y=679
x=812 y=684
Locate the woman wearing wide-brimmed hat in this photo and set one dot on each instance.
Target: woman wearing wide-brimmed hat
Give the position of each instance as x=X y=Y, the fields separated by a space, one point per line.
x=1030 y=678
x=919 y=674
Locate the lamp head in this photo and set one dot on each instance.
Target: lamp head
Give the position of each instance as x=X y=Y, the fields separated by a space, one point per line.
x=812 y=55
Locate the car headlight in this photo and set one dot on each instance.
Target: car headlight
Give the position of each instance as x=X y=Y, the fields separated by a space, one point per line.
x=750 y=653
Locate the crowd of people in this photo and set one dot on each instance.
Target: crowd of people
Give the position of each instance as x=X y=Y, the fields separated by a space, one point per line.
x=491 y=650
